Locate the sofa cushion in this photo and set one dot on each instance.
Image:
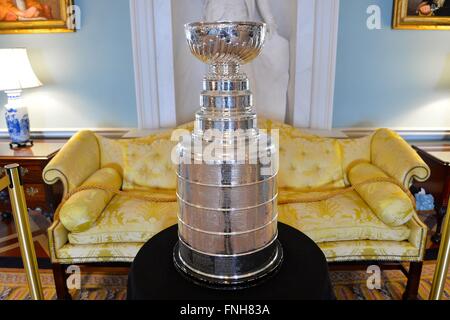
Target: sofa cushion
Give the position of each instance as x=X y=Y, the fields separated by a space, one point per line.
x=387 y=200
x=148 y=164
x=334 y=252
x=366 y=250
x=308 y=163
x=354 y=150
x=81 y=211
x=111 y=153
x=95 y=253
x=127 y=220
x=343 y=218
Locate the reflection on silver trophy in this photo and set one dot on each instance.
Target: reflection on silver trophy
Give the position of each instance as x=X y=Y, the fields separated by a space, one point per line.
x=228 y=205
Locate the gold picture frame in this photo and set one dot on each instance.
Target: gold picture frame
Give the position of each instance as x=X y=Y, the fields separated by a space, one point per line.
x=404 y=18
x=59 y=21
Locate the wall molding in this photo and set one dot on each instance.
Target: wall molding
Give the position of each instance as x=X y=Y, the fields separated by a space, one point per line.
x=66 y=133
x=151 y=29
x=316 y=52
x=408 y=133
x=304 y=61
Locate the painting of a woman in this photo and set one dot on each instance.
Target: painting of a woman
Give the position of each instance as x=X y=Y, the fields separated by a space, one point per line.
x=15 y=10
x=33 y=16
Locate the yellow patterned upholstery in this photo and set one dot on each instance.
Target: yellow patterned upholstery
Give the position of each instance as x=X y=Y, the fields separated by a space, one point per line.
x=84 y=148
x=354 y=150
x=128 y=220
x=371 y=250
x=310 y=163
x=94 y=253
x=334 y=252
x=388 y=201
x=82 y=210
x=373 y=223
x=149 y=165
x=111 y=154
x=394 y=156
x=343 y=218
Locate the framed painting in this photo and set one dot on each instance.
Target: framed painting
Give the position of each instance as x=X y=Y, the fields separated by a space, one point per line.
x=36 y=16
x=422 y=14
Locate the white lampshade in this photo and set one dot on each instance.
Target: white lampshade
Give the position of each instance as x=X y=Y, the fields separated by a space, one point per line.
x=16 y=72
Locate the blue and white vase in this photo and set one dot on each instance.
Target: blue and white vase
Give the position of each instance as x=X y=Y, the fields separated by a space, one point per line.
x=18 y=123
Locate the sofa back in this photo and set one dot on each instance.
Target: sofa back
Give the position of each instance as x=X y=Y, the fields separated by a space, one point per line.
x=307 y=162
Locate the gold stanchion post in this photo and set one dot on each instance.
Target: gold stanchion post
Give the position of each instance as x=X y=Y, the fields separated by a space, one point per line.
x=20 y=212
x=440 y=275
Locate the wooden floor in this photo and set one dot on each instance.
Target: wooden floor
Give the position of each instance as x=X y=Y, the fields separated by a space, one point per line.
x=9 y=245
x=10 y=256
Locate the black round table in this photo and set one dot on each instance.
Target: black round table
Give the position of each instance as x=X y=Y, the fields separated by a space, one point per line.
x=303 y=275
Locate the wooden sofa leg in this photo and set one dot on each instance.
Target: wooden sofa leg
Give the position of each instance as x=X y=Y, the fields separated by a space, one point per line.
x=60 y=277
x=414 y=275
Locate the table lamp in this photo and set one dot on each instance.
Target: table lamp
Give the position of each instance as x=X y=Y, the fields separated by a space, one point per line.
x=17 y=74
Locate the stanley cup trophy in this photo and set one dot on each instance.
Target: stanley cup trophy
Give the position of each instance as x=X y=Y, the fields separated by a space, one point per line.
x=228 y=203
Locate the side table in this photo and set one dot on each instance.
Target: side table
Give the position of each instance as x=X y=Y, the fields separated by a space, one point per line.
x=438 y=159
x=303 y=275
x=39 y=196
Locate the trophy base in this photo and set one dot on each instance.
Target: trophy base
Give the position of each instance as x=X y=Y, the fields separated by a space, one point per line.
x=228 y=272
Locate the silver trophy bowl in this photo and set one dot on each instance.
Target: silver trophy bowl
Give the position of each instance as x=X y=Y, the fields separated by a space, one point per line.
x=228 y=218
x=226 y=42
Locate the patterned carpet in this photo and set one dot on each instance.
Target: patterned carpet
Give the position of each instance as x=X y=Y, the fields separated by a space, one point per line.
x=13 y=286
x=348 y=286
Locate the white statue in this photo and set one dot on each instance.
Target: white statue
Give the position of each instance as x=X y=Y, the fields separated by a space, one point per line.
x=269 y=74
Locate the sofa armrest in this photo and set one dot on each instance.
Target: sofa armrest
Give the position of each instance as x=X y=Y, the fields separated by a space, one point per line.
x=58 y=237
x=418 y=236
x=397 y=158
x=76 y=161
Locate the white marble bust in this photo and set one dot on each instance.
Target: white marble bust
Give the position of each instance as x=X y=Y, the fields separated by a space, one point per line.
x=269 y=74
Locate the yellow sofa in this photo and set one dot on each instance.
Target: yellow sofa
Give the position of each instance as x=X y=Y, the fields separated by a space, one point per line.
x=376 y=222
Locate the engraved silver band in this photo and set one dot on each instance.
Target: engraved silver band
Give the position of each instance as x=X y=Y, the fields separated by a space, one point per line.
x=227 y=186
x=225 y=85
x=236 y=277
x=226 y=209
x=226 y=102
x=275 y=220
x=230 y=255
x=245 y=122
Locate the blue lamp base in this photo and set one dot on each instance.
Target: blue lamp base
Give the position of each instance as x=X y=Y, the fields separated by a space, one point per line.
x=17 y=121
